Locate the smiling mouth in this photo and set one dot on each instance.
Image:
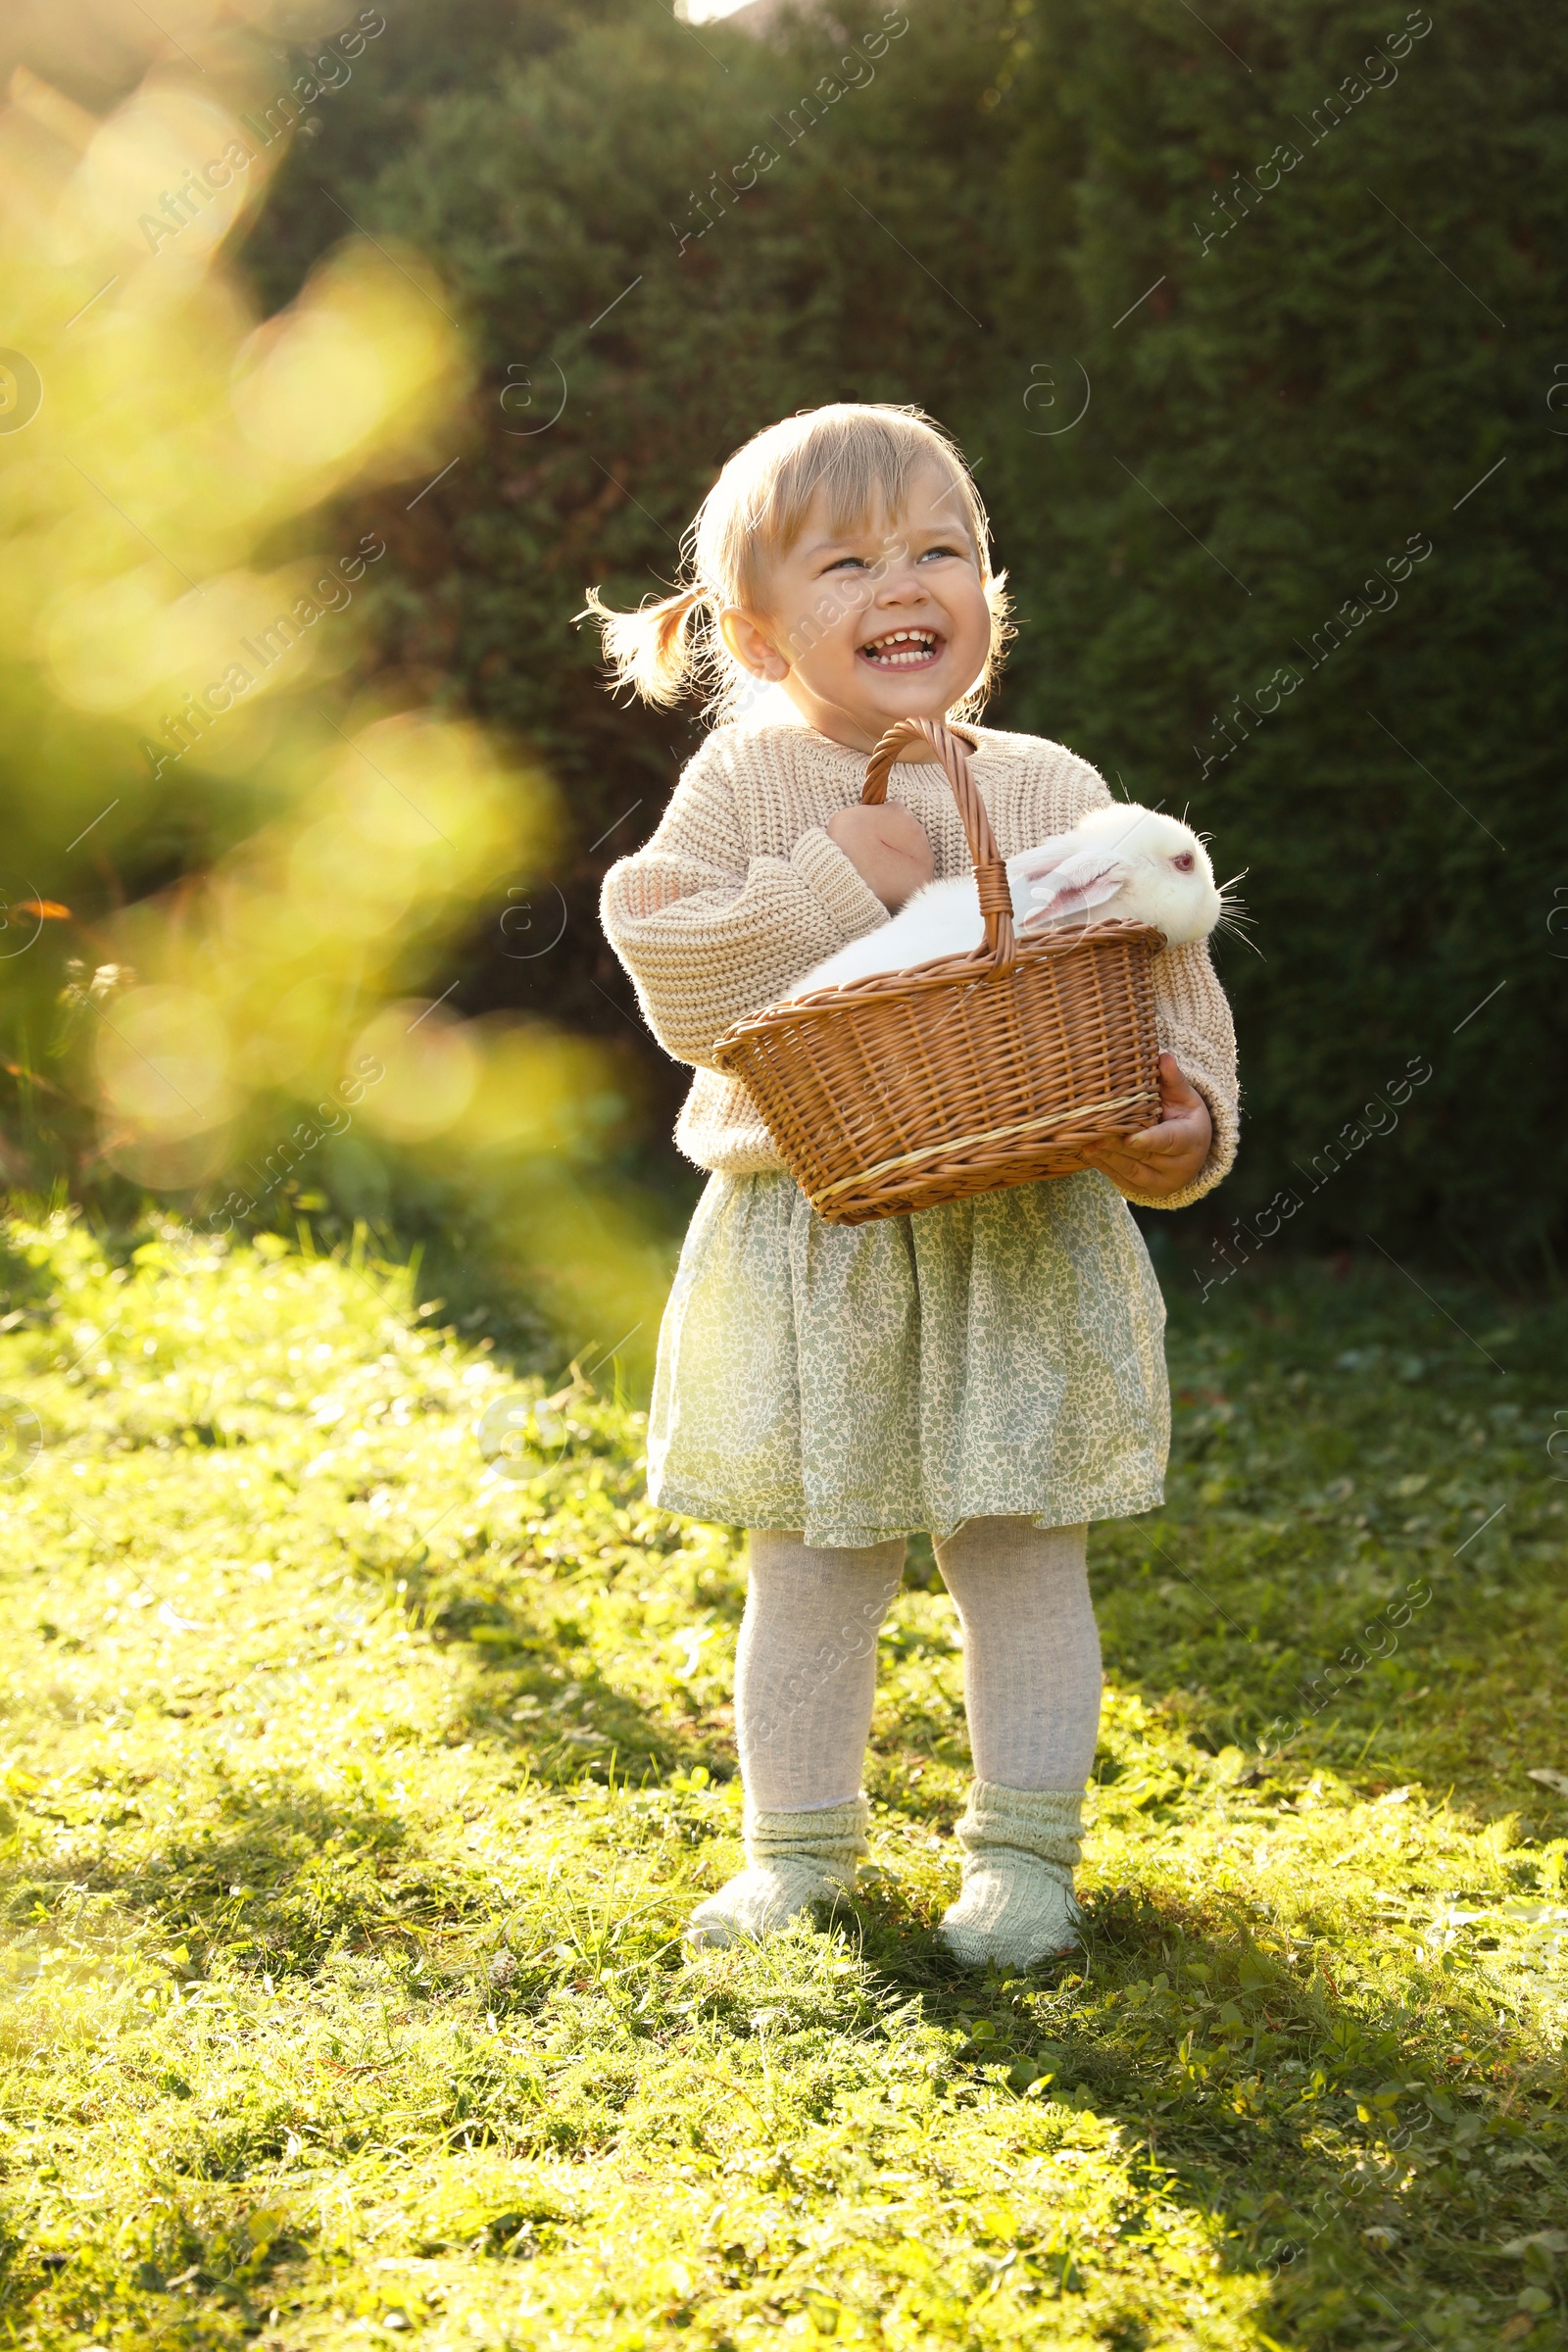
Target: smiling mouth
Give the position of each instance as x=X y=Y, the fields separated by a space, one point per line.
x=904 y=649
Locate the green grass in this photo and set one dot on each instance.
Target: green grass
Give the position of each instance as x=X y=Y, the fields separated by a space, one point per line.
x=356 y=1796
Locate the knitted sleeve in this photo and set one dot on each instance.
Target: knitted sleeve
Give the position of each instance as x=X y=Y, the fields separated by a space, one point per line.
x=709 y=933
x=1193 y=1018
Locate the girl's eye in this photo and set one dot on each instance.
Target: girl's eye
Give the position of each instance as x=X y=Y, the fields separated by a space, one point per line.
x=933 y=552
x=849 y=563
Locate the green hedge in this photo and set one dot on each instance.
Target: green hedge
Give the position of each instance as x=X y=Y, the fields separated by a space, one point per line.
x=1294 y=569
x=1312 y=392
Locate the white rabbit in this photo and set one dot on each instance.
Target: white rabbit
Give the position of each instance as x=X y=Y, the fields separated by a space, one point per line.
x=1134 y=864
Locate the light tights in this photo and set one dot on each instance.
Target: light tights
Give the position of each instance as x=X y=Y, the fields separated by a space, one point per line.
x=1031 y=1650
x=806 y=1667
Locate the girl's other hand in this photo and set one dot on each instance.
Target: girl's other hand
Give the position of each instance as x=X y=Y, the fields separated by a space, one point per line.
x=1163 y=1158
x=888 y=849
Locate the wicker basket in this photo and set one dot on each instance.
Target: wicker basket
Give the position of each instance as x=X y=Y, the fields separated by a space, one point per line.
x=963 y=1075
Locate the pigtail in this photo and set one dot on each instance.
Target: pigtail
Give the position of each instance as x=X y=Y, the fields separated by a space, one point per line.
x=651 y=649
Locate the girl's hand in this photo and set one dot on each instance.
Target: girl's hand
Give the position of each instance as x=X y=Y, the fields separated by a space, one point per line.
x=1163 y=1158
x=888 y=849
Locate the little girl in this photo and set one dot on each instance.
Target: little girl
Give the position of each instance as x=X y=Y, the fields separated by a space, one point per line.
x=993 y=1370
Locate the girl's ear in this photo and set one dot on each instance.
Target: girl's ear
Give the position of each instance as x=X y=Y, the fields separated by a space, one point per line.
x=751 y=647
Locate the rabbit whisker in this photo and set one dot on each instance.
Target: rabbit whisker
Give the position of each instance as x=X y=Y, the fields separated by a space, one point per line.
x=1232 y=923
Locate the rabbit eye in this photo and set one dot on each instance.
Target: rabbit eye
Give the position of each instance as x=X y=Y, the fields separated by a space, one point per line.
x=1182 y=864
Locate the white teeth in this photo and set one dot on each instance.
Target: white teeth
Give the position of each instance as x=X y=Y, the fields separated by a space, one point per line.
x=920 y=643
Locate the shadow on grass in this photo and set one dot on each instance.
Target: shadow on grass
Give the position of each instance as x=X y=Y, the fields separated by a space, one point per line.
x=533 y=1672
x=1329 y=2141
x=281 y=1874
x=198 y=2267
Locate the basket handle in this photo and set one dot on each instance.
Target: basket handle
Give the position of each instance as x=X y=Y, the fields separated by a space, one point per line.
x=991 y=876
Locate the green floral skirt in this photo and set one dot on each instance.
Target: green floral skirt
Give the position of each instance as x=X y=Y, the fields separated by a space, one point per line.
x=1000 y=1356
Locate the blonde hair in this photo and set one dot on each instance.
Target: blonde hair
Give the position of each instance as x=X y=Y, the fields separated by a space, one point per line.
x=861 y=457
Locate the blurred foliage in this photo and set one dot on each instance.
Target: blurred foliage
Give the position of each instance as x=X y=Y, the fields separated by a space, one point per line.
x=239 y=839
x=1315 y=376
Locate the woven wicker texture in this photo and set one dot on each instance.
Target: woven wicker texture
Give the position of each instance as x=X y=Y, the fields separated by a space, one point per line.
x=966 y=1074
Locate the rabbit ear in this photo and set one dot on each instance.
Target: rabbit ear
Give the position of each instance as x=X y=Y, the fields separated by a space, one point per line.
x=1043 y=858
x=1075 y=885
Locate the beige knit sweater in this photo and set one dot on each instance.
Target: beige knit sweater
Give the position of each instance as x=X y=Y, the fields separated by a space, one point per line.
x=740 y=892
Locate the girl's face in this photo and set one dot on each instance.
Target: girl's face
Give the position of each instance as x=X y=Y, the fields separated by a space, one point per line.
x=889 y=622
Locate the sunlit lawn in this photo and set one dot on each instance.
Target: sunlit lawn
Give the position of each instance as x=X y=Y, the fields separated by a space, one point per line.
x=356 y=1794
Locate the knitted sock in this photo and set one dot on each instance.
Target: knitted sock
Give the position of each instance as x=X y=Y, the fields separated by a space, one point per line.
x=806 y=1667
x=794 y=1860
x=1031 y=1650
x=804 y=1683
x=1019 y=1848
